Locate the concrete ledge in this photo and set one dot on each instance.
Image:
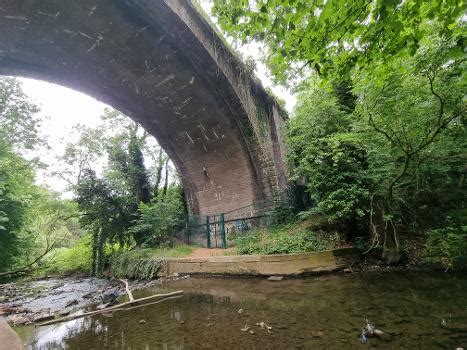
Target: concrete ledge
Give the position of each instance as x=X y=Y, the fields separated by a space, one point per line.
x=268 y=265
x=9 y=340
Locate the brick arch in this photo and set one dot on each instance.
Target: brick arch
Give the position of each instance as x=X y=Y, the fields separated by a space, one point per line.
x=163 y=65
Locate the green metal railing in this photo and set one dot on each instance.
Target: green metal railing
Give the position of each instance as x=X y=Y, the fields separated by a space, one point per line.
x=215 y=231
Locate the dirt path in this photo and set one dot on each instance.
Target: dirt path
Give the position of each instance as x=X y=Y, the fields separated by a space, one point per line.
x=206 y=252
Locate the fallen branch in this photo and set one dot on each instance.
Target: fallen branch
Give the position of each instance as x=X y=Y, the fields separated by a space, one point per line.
x=25 y=268
x=114 y=308
x=128 y=291
x=145 y=304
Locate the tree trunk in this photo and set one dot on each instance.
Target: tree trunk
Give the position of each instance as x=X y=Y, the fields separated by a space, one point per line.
x=160 y=166
x=166 y=180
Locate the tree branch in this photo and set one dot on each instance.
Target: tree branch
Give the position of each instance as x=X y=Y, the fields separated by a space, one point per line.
x=26 y=267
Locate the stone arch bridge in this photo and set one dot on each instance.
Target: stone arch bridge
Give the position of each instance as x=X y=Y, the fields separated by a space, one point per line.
x=161 y=63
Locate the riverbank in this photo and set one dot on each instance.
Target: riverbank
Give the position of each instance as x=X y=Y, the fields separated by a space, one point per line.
x=263 y=265
x=28 y=302
x=41 y=300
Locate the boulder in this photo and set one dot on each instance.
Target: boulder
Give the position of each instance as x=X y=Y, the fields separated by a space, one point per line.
x=109 y=297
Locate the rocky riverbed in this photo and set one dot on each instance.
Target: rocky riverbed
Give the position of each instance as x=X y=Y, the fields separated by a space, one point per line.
x=36 y=301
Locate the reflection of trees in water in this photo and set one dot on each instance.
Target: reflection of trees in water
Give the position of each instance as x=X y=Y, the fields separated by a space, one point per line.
x=119 y=330
x=57 y=336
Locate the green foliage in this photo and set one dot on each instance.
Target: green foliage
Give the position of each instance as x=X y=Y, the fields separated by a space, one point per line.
x=324 y=150
x=160 y=219
x=65 y=260
x=143 y=263
x=126 y=165
x=125 y=204
x=19 y=122
x=17 y=192
x=386 y=155
x=18 y=131
x=284 y=240
x=336 y=36
x=282 y=212
x=53 y=221
x=104 y=214
x=447 y=247
x=80 y=155
x=32 y=219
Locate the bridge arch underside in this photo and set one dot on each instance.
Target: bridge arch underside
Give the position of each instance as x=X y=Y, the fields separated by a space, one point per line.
x=160 y=63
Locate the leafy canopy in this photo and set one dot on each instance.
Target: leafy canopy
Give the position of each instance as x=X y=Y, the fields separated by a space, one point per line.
x=19 y=121
x=335 y=36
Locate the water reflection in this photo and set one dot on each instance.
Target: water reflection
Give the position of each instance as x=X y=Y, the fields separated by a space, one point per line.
x=56 y=336
x=415 y=310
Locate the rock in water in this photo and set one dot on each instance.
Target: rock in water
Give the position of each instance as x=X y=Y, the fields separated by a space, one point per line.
x=19 y=320
x=317 y=334
x=276 y=278
x=109 y=297
x=88 y=295
x=64 y=312
x=43 y=316
x=71 y=303
x=378 y=333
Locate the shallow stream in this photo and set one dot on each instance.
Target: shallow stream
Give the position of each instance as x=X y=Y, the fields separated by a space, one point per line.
x=414 y=310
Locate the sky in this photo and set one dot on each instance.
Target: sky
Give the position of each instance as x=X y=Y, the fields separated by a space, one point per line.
x=62 y=108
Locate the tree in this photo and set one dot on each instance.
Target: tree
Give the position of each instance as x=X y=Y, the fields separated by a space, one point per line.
x=104 y=214
x=80 y=156
x=19 y=124
x=335 y=37
x=158 y=220
x=325 y=151
x=407 y=109
x=114 y=202
x=378 y=158
x=19 y=121
x=126 y=159
x=17 y=193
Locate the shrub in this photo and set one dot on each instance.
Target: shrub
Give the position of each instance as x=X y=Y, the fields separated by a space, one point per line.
x=77 y=258
x=143 y=263
x=159 y=219
x=282 y=241
x=447 y=247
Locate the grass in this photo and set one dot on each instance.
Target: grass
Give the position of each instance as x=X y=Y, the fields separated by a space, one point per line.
x=138 y=263
x=143 y=263
x=140 y=253
x=63 y=261
x=285 y=239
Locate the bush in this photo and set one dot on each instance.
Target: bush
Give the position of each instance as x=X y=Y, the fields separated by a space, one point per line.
x=159 y=219
x=283 y=240
x=77 y=258
x=447 y=247
x=123 y=265
x=143 y=263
